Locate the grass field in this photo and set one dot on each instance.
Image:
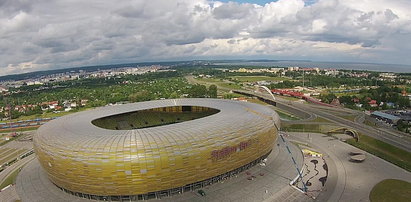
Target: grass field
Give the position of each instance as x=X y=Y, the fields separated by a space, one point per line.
x=148 y=118
x=302 y=128
x=383 y=150
x=228 y=95
x=229 y=85
x=258 y=78
x=218 y=83
x=369 y=123
x=321 y=120
x=314 y=128
x=391 y=190
x=286 y=116
x=257 y=101
x=209 y=80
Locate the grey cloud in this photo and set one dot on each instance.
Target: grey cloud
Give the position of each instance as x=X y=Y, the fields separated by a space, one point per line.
x=390 y=16
x=74 y=33
x=12 y=7
x=233 y=10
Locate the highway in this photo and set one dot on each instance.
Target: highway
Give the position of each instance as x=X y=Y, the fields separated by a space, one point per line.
x=390 y=137
x=396 y=139
x=386 y=136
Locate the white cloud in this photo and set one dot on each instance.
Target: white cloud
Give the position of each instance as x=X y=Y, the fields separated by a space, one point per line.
x=56 y=34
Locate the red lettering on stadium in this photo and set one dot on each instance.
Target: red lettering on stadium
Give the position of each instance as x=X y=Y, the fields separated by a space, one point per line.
x=227 y=151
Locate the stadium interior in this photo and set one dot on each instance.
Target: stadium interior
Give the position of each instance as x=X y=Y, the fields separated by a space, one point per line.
x=153 y=117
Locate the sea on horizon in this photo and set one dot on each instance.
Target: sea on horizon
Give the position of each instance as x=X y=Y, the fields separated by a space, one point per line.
x=328 y=65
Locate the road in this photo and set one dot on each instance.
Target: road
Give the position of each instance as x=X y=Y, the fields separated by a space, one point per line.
x=10 y=169
x=390 y=137
x=396 y=139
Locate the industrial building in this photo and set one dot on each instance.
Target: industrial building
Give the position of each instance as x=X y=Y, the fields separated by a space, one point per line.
x=391 y=119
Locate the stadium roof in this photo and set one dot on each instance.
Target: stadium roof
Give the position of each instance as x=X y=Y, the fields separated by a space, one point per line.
x=77 y=128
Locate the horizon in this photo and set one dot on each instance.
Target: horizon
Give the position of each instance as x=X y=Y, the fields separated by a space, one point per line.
x=42 y=36
x=398 y=68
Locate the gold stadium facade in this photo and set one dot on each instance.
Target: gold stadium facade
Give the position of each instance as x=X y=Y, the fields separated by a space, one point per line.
x=128 y=152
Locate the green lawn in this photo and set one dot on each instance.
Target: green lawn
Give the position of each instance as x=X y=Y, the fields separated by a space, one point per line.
x=257 y=101
x=313 y=128
x=228 y=95
x=316 y=128
x=148 y=118
x=286 y=116
x=258 y=78
x=383 y=150
x=321 y=120
x=391 y=190
x=218 y=83
x=369 y=123
x=229 y=85
x=208 y=80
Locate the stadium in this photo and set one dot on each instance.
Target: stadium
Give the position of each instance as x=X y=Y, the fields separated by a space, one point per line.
x=154 y=149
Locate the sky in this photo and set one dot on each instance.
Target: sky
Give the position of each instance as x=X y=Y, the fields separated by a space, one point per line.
x=42 y=35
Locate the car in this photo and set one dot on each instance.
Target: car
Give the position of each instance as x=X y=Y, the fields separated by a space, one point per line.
x=201 y=192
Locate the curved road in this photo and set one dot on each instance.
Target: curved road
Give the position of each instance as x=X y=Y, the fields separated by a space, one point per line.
x=390 y=137
x=396 y=139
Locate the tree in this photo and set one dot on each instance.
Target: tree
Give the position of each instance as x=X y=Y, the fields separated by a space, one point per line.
x=212 y=91
x=348 y=100
x=403 y=102
x=139 y=96
x=402 y=125
x=327 y=98
x=174 y=95
x=197 y=91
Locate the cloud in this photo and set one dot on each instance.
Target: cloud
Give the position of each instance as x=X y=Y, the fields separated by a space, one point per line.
x=233 y=10
x=40 y=34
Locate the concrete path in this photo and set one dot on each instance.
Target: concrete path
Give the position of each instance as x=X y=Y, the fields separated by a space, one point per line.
x=9 y=195
x=349 y=181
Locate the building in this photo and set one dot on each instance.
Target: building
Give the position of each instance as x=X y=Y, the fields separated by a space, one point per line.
x=154 y=149
x=391 y=119
x=3 y=89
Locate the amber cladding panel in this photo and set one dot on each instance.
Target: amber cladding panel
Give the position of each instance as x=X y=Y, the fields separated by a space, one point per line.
x=82 y=157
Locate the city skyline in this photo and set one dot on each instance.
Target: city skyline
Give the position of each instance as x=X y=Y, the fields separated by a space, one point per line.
x=39 y=35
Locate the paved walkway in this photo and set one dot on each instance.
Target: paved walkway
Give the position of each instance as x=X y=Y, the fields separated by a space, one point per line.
x=314 y=175
x=349 y=181
x=9 y=195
